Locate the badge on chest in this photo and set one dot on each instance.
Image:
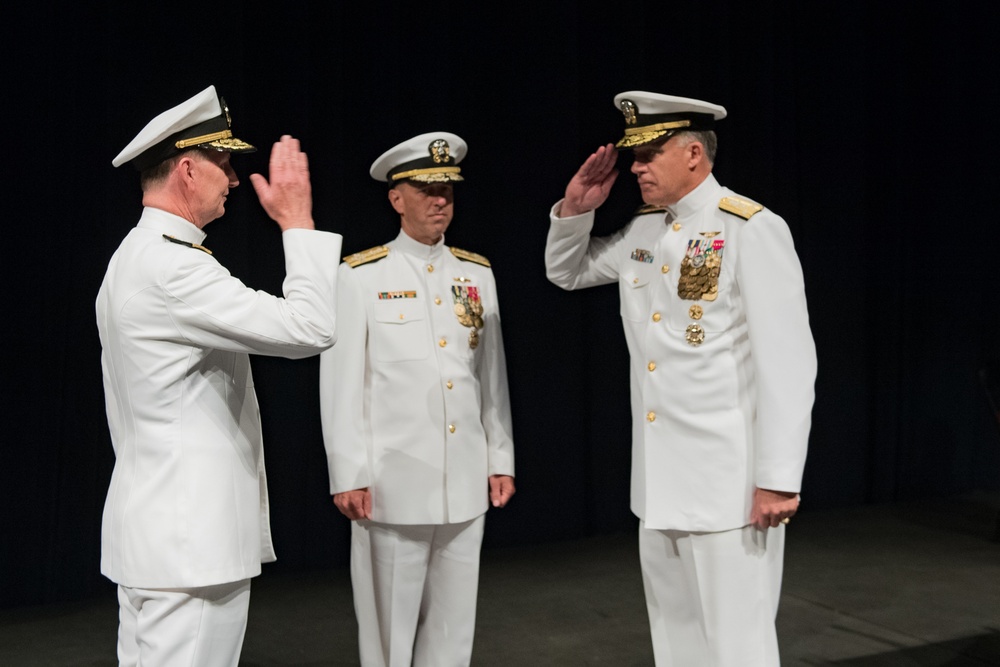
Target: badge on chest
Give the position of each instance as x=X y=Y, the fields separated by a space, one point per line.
x=468 y=309
x=700 y=268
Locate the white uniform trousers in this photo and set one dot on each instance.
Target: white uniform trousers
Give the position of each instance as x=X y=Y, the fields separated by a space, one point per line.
x=712 y=597
x=182 y=627
x=415 y=590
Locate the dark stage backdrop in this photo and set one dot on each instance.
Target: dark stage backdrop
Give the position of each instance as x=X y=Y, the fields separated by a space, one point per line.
x=869 y=126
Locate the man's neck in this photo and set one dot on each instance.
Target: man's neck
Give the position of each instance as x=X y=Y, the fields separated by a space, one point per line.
x=164 y=201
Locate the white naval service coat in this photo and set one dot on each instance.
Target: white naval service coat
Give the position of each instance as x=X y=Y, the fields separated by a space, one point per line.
x=187 y=505
x=410 y=410
x=711 y=421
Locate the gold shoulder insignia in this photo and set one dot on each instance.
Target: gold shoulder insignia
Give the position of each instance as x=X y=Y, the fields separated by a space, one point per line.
x=469 y=256
x=645 y=209
x=187 y=243
x=365 y=256
x=744 y=208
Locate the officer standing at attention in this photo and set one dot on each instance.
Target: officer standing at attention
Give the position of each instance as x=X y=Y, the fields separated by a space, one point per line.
x=722 y=371
x=186 y=518
x=416 y=417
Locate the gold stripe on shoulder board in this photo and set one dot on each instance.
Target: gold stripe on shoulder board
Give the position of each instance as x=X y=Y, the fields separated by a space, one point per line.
x=469 y=256
x=744 y=208
x=365 y=256
x=646 y=209
x=178 y=241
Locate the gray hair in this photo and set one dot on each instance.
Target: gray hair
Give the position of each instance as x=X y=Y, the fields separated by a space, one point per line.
x=706 y=138
x=153 y=176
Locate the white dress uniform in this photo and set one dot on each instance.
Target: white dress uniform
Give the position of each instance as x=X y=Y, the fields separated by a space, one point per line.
x=722 y=372
x=187 y=505
x=186 y=522
x=415 y=408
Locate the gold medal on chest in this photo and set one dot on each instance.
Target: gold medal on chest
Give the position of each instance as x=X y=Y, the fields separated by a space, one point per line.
x=468 y=308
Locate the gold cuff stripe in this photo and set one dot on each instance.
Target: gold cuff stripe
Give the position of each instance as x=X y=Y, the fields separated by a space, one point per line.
x=672 y=125
x=203 y=139
x=430 y=170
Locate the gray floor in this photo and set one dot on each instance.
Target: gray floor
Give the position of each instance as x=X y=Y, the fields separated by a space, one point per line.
x=875 y=586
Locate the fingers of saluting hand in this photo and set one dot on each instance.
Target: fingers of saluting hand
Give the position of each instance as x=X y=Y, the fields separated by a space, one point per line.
x=287 y=157
x=592 y=182
x=600 y=163
x=287 y=197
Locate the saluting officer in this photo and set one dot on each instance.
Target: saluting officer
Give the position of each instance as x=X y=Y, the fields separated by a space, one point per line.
x=722 y=371
x=186 y=519
x=416 y=417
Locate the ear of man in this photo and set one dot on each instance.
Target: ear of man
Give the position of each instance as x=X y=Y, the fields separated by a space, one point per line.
x=396 y=200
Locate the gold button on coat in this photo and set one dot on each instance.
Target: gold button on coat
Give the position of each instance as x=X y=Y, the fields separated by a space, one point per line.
x=442 y=342
x=695 y=312
x=664 y=268
x=449 y=384
x=437 y=300
x=430 y=268
x=677 y=226
x=656 y=317
x=451 y=428
x=651 y=366
x=651 y=416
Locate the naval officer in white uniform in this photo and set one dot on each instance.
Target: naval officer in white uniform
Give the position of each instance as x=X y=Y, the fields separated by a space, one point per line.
x=186 y=518
x=416 y=417
x=722 y=372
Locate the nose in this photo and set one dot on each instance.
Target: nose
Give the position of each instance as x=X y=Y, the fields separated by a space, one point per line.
x=233 y=178
x=638 y=167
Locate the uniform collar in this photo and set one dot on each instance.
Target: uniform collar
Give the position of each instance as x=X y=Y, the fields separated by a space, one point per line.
x=172 y=225
x=707 y=191
x=422 y=251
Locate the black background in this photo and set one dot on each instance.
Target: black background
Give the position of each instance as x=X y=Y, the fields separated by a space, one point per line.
x=869 y=126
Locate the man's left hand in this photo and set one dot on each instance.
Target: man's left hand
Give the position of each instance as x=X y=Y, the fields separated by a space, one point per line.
x=501 y=489
x=771 y=508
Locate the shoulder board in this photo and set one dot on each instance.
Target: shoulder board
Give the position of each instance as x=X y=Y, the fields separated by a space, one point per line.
x=646 y=209
x=365 y=256
x=744 y=208
x=187 y=243
x=469 y=256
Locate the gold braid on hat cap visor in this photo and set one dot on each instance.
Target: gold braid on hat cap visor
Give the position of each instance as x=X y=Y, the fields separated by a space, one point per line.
x=223 y=140
x=430 y=175
x=203 y=139
x=636 y=136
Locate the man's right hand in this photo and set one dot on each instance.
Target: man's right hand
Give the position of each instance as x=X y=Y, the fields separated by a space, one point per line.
x=355 y=504
x=590 y=186
x=287 y=198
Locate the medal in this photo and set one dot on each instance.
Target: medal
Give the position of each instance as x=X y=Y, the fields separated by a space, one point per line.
x=700 y=269
x=694 y=335
x=468 y=309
